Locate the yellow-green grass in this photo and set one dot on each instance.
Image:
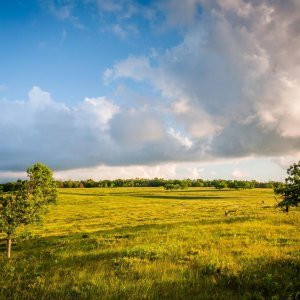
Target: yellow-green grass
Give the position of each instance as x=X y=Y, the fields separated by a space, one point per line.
x=148 y=243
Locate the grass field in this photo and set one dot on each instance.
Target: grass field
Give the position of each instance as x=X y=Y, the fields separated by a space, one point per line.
x=147 y=243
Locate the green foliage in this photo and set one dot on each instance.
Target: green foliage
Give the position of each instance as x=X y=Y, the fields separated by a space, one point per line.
x=220 y=184
x=28 y=201
x=160 y=182
x=171 y=186
x=41 y=186
x=12 y=211
x=290 y=191
x=156 y=182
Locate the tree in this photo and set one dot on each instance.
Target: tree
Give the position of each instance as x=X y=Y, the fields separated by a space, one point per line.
x=220 y=184
x=185 y=183
x=171 y=186
x=290 y=191
x=28 y=203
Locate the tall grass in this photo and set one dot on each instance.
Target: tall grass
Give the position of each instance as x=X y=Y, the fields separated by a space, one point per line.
x=147 y=243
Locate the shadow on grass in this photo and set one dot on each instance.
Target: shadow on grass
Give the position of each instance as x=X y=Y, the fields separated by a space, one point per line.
x=275 y=279
x=204 y=190
x=183 y=197
x=258 y=279
x=87 y=241
x=81 y=194
x=110 y=193
x=158 y=190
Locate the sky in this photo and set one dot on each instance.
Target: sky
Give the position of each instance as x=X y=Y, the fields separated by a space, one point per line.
x=124 y=88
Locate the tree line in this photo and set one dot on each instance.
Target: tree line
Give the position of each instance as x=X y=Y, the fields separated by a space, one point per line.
x=168 y=184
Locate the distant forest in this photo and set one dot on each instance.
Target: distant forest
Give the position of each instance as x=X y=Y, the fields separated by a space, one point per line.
x=168 y=184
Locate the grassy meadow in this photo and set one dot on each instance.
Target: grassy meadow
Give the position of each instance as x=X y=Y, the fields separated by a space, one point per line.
x=148 y=243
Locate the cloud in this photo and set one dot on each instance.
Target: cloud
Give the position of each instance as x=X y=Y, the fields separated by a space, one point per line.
x=99 y=110
x=286 y=161
x=185 y=141
x=123 y=31
x=106 y=172
x=240 y=140
x=41 y=129
x=180 y=13
x=118 y=16
x=166 y=170
x=233 y=80
x=135 y=128
x=63 y=11
x=9 y=176
x=123 y=9
x=239 y=174
x=229 y=88
x=95 y=132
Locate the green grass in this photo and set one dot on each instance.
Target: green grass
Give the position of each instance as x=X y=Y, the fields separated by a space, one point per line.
x=147 y=243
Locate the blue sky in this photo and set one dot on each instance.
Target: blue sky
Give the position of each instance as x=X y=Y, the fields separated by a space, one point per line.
x=65 y=46
x=107 y=89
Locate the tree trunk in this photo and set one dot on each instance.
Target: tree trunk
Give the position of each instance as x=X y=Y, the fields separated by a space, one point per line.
x=8 y=246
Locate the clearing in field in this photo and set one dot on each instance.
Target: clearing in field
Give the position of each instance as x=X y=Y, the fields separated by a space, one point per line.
x=148 y=243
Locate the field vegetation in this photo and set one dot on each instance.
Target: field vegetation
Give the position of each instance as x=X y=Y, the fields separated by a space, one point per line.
x=151 y=243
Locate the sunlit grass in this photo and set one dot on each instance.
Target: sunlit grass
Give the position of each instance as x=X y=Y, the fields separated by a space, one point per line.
x=148 y=243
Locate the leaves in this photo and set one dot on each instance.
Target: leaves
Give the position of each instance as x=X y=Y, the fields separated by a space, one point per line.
x=28 y=203
x=290 y=191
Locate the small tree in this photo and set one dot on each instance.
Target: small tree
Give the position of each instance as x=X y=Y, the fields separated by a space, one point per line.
x=28 y=203
x=290 y=191
x=220 y=184
x=171 y=186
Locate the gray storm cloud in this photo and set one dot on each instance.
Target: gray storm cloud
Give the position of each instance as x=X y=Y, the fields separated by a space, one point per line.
x=95 y=132
x=230 y=88
x=234 y=77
